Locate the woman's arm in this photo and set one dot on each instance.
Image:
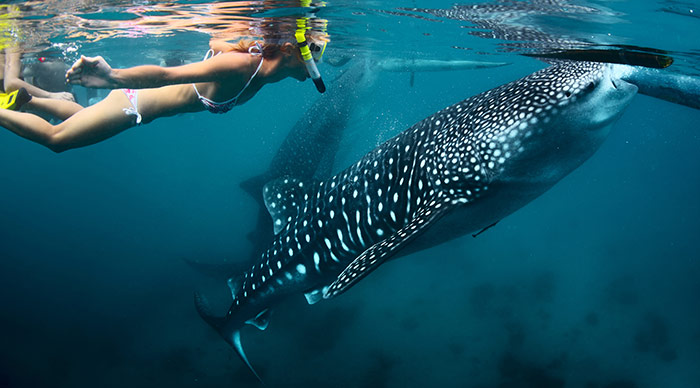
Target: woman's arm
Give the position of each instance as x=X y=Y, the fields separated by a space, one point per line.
x=95 y=72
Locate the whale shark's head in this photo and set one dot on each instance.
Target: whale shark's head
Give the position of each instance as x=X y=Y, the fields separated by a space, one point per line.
x=541 y=127
x=587 y=97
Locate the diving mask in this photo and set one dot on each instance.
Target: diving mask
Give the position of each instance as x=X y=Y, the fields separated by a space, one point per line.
x=317 y=50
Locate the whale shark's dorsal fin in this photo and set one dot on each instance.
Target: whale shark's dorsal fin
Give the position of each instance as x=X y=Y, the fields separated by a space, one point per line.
x=261 y=321
x=282 y=198
x=375 y=255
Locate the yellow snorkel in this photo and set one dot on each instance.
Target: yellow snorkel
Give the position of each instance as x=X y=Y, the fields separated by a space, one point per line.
x=307 y=56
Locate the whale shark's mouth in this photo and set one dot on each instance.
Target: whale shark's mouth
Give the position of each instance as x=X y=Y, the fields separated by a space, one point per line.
x=614 y=100
x=622 y=86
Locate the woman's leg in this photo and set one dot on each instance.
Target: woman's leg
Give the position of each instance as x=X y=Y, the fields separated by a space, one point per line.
x=88 y=126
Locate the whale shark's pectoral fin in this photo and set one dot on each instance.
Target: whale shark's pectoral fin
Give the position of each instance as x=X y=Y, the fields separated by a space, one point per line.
x=375 y=255
x=282 y=198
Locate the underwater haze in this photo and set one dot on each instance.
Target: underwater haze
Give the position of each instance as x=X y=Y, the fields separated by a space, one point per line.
x=595 y=284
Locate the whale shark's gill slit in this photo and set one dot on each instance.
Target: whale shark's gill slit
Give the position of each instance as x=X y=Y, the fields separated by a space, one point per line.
x=317 y=262
x=409 y=187
x=378 y=253
x=343 y=245
x=348 y=227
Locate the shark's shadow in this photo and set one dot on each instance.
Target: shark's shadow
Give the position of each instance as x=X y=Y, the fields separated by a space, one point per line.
x=308 y=151
x=310 y=148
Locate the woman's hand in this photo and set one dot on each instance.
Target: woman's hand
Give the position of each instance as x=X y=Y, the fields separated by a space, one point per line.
x=91 y=72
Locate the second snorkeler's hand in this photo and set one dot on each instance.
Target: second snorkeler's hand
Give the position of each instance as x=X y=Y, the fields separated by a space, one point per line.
x=62 y=96
x=91 y=72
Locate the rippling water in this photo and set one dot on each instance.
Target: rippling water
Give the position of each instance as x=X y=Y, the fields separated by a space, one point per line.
x=436 y=28
x=595 y=284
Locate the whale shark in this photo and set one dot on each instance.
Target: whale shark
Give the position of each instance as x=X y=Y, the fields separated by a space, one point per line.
x=458 y=171
x=308 y=151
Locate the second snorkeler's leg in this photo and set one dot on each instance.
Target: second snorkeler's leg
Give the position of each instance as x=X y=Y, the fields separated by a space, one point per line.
x=60 y=109
x=88 y=126
x=2 y=67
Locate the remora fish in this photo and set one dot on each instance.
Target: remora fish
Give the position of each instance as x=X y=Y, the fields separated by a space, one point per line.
x=458 y=171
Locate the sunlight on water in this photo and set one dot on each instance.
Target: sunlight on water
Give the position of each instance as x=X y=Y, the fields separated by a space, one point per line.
x=409 y=27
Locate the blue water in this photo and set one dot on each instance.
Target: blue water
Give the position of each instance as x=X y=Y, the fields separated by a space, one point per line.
x=594 y=284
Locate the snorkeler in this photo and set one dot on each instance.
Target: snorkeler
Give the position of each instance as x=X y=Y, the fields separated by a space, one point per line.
x=144 y=93
x=11 y=80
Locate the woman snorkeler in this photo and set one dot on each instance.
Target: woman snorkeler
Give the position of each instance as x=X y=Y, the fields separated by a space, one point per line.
x=144 y=93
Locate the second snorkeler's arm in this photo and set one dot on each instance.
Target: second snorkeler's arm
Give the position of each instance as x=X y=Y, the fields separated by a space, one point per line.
x=95 y=72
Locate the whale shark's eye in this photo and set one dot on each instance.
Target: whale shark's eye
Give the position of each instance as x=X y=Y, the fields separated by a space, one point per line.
x=590 y=86
x=567 y=94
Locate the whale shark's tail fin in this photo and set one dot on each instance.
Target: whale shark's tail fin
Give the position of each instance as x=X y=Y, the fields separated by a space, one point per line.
x=230 y=333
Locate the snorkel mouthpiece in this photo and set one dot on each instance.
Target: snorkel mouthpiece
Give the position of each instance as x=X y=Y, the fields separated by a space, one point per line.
x=309 y=61
x=320 y=86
